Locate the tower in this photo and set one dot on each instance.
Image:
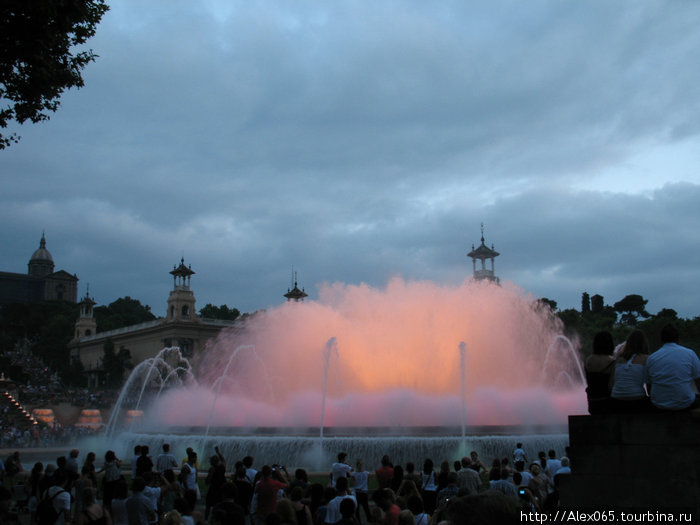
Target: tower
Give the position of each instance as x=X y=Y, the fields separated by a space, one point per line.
x=484 y=253
x=295 y=294
x=181 y=299
x=41 y=263
x=86 y=324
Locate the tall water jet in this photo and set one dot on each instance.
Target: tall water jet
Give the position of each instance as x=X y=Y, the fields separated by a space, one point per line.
x=463 y=384
x=220 y=381
x=330 y=350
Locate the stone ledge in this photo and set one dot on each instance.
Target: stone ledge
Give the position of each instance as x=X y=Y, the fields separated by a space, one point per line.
x=634 y=460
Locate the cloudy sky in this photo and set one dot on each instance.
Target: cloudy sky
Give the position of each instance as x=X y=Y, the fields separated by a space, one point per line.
x=356 y=141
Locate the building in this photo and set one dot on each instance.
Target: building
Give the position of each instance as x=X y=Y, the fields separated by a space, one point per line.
x=483 y=253
x=181 y=327
x=40 y=283
x=295 y=294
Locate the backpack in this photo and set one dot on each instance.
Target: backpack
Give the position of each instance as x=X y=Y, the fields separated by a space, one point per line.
x=45 y=512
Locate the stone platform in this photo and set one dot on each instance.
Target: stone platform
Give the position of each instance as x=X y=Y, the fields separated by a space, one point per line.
x=642 y=461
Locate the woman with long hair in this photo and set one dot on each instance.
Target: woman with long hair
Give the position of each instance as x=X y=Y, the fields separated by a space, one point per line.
x=628 y=390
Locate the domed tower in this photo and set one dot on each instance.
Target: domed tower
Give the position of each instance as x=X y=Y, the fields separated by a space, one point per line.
x=86 y=324
x=41 y=263
x=484 y=253
x=181 y=300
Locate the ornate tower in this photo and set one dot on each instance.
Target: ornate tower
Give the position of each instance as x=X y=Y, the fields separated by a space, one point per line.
x=41 y=263
x=86 y=324
x=295 y=294
x=181 y=300
x=484 y=253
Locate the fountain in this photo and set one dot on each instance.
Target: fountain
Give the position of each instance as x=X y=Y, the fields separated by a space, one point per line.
x=373 y=371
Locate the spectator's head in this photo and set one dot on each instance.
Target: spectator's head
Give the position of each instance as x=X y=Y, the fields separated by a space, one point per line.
x=552 y=454
x=110 y=456
x=248 y=461
x=297 y=494
x=144 y=450
x=121 y=489
x=565 y=462
x=466 y=462
x=74 y=453
x=341 y=484
x=88 y=496
x=347 y=508
x=166 y=448
x=603 y=343
x=669 y=334
x=342 y=456
x=415 y=504
x=301 y=475
x=59 y=477
x=229 y=491
x=138 y=484
x=137 y=450
x=636 y=343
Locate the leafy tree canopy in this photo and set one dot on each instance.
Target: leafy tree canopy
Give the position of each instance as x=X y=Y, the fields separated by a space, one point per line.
x=37 y=56
x=551 y=304
x=219 y=312
x=125 y=311
x=631 y=308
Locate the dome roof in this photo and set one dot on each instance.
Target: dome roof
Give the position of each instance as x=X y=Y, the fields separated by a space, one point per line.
x=42 y=254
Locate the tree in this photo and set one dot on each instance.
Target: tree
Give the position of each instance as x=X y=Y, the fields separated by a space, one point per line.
x=585 y=303
x=667 y=313
x=597 y=304
x=115 y=363
x=125 y=311
x=219 y=312
x=551 y=304
x=37 y=59
x=631 y=307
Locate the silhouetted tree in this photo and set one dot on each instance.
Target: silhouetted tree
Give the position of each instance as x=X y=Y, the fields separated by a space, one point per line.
x=219 y=312
x=585 y=303
x=37 y=60
x=114 y=363
x=667 y=313
x=125 y=311
x=552 y=305
x=597 y=304
x=631 y=307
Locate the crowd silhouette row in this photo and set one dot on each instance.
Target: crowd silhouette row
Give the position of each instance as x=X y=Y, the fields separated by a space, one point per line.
x=163 y=489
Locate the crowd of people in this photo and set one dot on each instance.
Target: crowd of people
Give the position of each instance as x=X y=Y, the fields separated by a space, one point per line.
x=162 y=489
x=627 y=378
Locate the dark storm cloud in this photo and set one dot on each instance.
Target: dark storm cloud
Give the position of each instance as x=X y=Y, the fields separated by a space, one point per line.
x=357 y=141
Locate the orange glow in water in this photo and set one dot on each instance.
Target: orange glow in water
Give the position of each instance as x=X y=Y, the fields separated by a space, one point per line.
x=397 y=361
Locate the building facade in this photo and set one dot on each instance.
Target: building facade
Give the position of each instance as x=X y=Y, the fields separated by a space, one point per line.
x=182 y=327
x=40 y=283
